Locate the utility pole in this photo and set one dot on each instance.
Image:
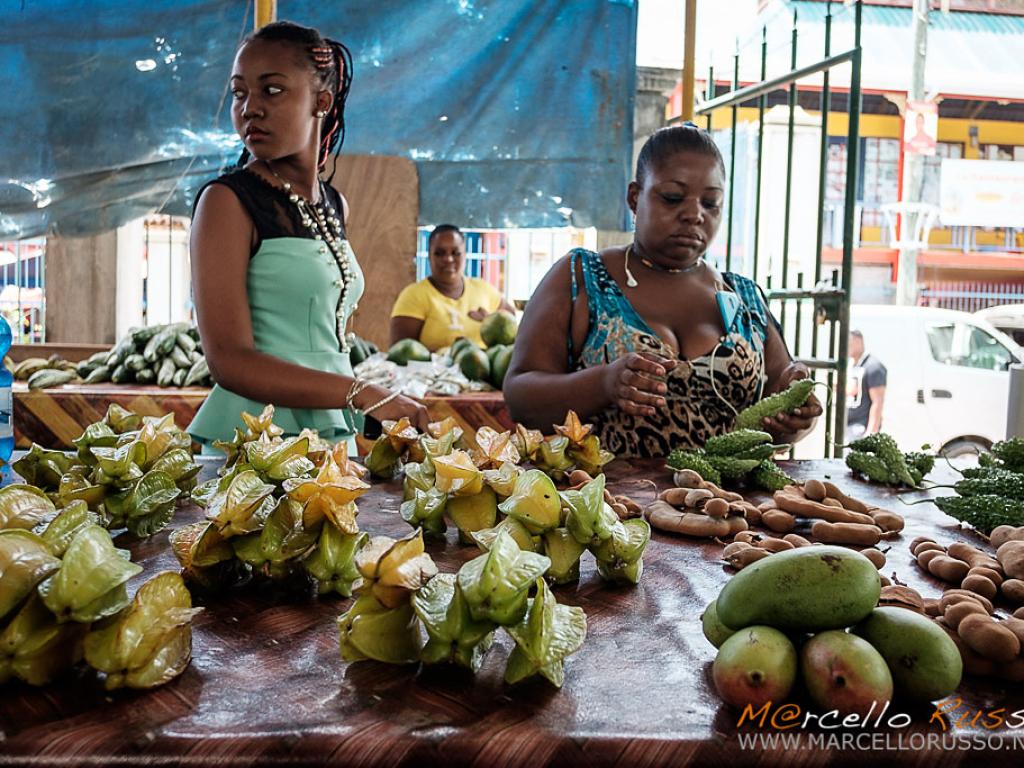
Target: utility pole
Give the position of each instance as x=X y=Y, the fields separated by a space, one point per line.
x=913 y=164
x=689 y=57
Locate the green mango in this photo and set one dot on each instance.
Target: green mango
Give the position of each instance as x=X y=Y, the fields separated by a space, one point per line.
x=754 y=667
x=714 y=630
x=845 y=673
x=925 y=663
x=808 y=589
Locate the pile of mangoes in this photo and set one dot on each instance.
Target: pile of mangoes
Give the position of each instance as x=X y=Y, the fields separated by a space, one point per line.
x=811 y=615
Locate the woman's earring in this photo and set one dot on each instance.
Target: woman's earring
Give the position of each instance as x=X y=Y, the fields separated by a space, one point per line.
x=322 y=113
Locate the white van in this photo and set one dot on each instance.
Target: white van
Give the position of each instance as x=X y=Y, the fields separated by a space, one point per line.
x=948 y=381
x=1008 y=318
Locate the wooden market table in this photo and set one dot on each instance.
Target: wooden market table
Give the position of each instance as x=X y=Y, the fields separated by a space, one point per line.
x=267 y=685
x=54 y=417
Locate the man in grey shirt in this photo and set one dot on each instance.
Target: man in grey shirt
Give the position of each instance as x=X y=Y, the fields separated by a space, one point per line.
x=866 y=390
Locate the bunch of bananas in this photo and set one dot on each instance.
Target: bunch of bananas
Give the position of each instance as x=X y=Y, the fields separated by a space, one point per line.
x=281 y=508
x=64 y=597
x=128 y=469
x=402 y=591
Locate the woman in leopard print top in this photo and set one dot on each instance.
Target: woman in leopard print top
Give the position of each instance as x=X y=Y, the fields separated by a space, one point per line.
x=650 y=342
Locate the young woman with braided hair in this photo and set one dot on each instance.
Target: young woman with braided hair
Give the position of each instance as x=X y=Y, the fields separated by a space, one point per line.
x=274 y=278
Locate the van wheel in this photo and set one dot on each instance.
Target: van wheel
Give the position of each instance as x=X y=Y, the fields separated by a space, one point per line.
x=964 y=447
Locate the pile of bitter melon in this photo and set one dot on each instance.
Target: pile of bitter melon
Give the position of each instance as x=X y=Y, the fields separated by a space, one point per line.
x=744 y=455
x=878 y=459
x=991 y=494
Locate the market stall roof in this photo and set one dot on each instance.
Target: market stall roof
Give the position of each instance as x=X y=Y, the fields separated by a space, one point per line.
x=516 y=112
x=969 y=54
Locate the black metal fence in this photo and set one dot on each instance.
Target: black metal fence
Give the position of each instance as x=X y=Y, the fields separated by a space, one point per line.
x=814 y=308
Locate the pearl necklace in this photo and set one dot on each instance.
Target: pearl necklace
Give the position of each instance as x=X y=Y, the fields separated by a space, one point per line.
x=323 y=222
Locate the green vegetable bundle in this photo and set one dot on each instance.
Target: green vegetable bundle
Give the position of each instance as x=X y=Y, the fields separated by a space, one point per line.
x=878 y=459
x=741 y=455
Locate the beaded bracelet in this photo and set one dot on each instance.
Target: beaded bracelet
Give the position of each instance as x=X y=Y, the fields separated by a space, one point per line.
x=380 y=403
x=358 y=385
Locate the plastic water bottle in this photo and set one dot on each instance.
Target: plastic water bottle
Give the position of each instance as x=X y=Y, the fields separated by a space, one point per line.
x=6 y=401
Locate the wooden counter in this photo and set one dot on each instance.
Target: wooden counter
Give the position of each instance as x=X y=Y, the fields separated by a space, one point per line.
x=267 y=685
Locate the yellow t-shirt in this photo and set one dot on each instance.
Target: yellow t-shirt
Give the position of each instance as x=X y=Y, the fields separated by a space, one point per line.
x=445 y=319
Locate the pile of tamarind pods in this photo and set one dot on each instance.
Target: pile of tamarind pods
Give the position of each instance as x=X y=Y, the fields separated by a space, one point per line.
x=699 y=508
x=972 y=569
x=839 y=519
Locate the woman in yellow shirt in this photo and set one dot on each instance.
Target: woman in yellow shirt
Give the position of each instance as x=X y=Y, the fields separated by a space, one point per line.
x=446 y=305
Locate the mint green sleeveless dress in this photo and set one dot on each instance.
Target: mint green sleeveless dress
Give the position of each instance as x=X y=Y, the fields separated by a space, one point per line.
x=294 y=284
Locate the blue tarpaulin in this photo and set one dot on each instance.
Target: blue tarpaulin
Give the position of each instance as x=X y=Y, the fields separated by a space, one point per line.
x=517 y=113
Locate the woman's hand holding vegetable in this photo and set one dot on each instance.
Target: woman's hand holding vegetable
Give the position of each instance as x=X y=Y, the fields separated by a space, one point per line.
x=793 y=426
x=635 y=382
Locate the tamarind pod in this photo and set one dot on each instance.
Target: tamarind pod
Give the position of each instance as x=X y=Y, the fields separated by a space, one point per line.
x=715 y=507
x=741 y=560
x=667 y=518
x=958 y=595
x=1019 y=613
x=926 y=546
x=620 y=510
x=815 y=490
x=876 y=556
x=696 y=495
x=778 y=521
x=766 y=506
x=579 y=477
x=1013 y=590
x=1011 y=557
x=948 y=568
x=753 y=514
x=903 y=596
x=721 y=493
x=855 y=505
x=749 y=537
x=889 y=522
x=687 y=478
x=884 y=581
x=774 y=545
x=846 y=533
x=931 y=607
x=987 y=637
x=957 y=612
x=796 y=540
x=981 y=585
x=1016 y=626
x=917 y=540
x=927 y=556
x=1004 y=533
x=819 y=511
x=736 y=525
x=830 y=502
x=733 y=547
x=674 y=496
x=973 y=556
x=996 y=577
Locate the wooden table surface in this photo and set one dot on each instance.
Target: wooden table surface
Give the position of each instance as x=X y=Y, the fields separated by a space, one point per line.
x=267 y=684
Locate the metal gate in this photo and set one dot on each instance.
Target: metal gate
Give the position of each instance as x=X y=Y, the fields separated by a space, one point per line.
x=796 y=300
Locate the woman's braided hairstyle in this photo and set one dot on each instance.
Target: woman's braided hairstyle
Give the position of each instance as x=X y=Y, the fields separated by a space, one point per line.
x=665 y=142
x=332 y=65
